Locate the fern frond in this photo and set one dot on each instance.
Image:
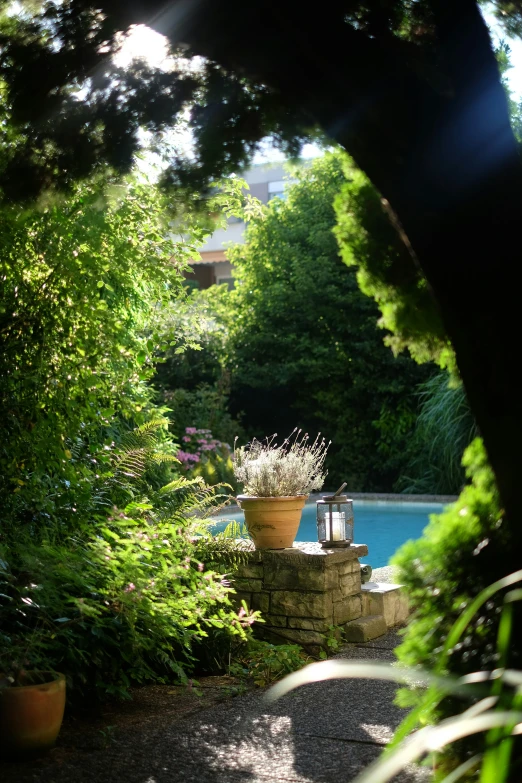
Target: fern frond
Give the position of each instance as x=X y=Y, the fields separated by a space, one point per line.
x=152 y=426
x=161 y=458
x=180 y=483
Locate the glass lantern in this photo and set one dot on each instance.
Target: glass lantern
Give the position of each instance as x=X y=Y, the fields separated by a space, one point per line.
x=335 y=520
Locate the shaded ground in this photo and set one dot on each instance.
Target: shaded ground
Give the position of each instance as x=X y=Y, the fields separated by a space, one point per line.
x=322 y=733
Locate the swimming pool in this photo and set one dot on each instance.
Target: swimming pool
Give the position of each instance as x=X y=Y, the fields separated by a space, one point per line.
x=381 y=524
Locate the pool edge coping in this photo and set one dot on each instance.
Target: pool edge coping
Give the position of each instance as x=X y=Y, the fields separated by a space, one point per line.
x=397 y=497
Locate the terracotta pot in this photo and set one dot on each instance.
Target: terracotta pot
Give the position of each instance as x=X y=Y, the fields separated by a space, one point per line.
x=31 y=715
x=272 y=522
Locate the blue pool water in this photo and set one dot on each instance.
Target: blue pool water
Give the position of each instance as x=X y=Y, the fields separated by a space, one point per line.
x=383 y=525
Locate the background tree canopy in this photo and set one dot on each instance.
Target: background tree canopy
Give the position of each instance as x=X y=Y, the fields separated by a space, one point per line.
x=305 y=347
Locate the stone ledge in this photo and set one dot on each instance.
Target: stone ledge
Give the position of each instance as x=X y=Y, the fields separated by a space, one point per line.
x=304 y=591
x=365 y=628
x=312 y=555
x=308 y=624
x=381 y=587
x=388 y=600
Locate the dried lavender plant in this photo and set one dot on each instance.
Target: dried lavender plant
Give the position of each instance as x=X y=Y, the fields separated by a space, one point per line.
x=294 y=468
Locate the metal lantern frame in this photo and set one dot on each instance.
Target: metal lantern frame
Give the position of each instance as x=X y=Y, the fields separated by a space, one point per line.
x=334 y=514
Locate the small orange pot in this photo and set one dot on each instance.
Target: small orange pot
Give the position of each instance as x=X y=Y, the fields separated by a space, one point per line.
x=272 y=522
x=31 y=715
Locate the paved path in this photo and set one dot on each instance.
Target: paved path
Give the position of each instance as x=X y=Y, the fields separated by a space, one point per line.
x=321 y=733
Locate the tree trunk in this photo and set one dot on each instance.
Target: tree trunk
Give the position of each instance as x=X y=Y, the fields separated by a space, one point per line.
x=458 y=197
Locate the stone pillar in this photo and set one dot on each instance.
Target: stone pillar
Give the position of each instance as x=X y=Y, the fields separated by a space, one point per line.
x=303 y=591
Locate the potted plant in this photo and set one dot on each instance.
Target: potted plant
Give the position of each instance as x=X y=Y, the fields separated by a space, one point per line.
x=277 y=481
x=32 y=697
x=31 y=711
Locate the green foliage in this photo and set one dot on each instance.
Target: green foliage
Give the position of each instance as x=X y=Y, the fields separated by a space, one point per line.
x=456 y=558
x=81 y=280
x=226 y=550
x=119 y=603
x=369 y=240
x=503 y=54
x=304 y=342
x=99 y=569
x=263 y=663
x=202 y=455
x=444 y=428
x=333 y=642
x=206 y=407
x=201 y=320
x=192 y=379
x=462 y=551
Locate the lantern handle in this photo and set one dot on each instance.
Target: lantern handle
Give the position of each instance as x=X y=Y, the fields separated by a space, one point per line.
x=339 y=490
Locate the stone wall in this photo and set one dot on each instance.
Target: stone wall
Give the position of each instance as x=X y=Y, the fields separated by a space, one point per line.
x=302 y=592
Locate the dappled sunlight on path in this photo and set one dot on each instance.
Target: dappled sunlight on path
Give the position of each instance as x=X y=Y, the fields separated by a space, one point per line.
x=321 y=733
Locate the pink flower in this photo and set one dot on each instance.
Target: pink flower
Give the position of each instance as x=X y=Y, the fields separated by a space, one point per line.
x=187 y=438
x=185 y=456
x=190 y=430
x=200 y=566
x=130 y=587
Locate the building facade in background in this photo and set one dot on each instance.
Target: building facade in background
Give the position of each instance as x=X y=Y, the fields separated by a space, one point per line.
x=265 y=181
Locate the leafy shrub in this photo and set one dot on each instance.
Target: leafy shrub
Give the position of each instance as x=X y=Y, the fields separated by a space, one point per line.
x=263 y=663
x=205 y=407
x=119 y=603
x=305 y=343
x=462 y=551
x=82 y=280
x=191 y=378
x=202 y=455
x=99 y=572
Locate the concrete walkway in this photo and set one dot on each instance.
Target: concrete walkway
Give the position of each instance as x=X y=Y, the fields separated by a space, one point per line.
x=321 y=733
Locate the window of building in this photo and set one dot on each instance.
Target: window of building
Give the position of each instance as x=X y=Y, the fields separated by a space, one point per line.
x=228 y=281
x=276 y=189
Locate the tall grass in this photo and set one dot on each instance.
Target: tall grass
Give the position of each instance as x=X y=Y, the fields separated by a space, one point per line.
x=445 y=427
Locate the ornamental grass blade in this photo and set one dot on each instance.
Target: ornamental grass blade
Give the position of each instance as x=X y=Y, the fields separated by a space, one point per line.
x=362 y=670
x=434 y=738
x=432 y=696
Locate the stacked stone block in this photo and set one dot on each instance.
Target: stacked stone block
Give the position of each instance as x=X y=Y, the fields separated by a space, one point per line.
x=303 y=592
